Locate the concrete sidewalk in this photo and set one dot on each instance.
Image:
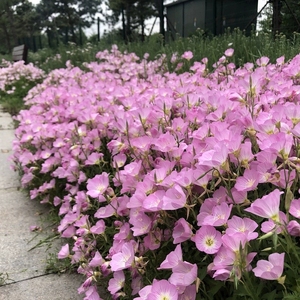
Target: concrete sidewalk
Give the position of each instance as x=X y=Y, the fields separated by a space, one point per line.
x=26 y=269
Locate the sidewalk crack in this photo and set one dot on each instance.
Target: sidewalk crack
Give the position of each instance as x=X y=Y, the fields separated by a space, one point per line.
x=25 y=279
x=17 y=188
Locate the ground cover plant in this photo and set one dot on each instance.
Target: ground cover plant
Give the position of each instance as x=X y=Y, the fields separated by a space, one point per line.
x=171 y=186
x=16 y=79
x=247 y=48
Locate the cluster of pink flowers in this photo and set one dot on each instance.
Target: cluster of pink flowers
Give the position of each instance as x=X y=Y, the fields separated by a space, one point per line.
x=157 y=173
x=10 y=73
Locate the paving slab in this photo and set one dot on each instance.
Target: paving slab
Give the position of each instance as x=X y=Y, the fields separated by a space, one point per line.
x=20 y=257
x=8 y=178
x=26 y=267
x=6 y=123
x=4 y=113
x=18 y=211
x=6 y=139
x=43 y=288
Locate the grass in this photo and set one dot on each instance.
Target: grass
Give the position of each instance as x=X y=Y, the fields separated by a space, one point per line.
x=13 y=102
x=51 y=243
x=58 y=266
x=247 y=48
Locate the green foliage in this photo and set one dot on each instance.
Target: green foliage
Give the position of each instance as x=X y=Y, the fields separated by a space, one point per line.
x=133 y=14
x=58 y=266
x=292 y=296
x=265 y=20
x=289 y=18
x=12 y=98
x=63 y=18
x=27 y=21
x=247 y=49
x=18 y=19
x=49 y=59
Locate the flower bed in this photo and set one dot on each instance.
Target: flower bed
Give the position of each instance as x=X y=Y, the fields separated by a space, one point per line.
x=170 y=186
x=16 y=79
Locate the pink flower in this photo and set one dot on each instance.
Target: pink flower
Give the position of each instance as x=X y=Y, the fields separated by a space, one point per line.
x=141 y=223
x=247 y=182
x=189 y=293
x=136 y=284
x=245 y=225
x=119 y=160
x=205 y=210
x=144 y=292
x=64 y=252
x=174 y=57
x=163 y=289
x=295 y=208
x=238 y=196
x=208 y=239
x=34 y=228
x=225 y=257
x=117 y=282
x=172 y=259
x=219 y=215
x=115 y=146
x=92 y=294
x=222 y=274
x=182 y=231
x=215 y=158
x=228 y=263
x=97 y=186
x=229 y=52
x=97 y=260
x=153 y=239
x=267 y=206
x=293 y=228
x=184 y=274
x=123 y=259
x=263 y=61
x=93 y=159
x=98 y=228
x=296 y=130
x=188 y=55
x=107 y=211
x=245 y=153
x=270 y=269
x=235 y=241
x=274 y=225
x=153 y=202
x=174 y=198
x=165 y=143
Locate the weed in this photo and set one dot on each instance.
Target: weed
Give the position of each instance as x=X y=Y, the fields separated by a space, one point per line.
x=58 y=266
x=4 y=278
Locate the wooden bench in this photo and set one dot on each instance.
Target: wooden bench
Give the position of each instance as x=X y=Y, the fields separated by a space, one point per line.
x=20 y=53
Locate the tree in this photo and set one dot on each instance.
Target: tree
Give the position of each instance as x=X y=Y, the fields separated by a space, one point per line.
x=288 y=17
x=7 y=27
x=144 y=10
x=28 y=21
x=133 y=14
x=18 y=18
x=63 y=16
x=265 y=23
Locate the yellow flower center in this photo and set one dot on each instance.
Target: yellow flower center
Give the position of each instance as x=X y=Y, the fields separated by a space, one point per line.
x=209 y=241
